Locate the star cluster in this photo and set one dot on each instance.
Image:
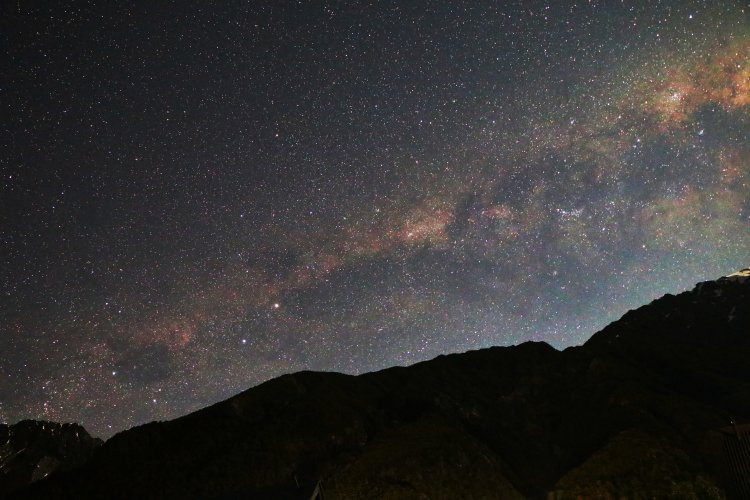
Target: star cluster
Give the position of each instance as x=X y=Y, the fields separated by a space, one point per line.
x=196 y=198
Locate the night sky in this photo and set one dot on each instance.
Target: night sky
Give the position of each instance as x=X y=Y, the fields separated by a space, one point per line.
x=196 y=198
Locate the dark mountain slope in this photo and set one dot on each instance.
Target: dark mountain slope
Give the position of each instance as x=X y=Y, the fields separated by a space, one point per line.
x=31 y=450
x=636 y=412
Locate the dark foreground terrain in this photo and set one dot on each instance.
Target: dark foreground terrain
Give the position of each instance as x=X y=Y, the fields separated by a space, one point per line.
x=650 y=407
x=30 y=451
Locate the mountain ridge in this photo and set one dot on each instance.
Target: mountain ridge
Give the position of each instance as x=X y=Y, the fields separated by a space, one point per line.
x=636 y=410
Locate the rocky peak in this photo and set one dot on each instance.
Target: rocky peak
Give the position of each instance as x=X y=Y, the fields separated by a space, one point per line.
x=31 y=450
x=741 y=276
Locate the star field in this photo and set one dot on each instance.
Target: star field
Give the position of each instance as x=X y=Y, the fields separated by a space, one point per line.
x=196 y=198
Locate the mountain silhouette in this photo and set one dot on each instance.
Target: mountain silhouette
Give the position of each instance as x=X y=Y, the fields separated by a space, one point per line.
x=652 y=406
x=31 y=450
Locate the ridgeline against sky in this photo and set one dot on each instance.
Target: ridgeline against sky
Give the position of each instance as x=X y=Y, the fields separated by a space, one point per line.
x=196 y=198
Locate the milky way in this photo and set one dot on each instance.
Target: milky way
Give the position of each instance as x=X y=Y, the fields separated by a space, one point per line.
x=196 y=198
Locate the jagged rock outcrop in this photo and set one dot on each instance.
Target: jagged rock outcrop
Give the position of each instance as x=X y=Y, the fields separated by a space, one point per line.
x=639 y=411
x=31 y=450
